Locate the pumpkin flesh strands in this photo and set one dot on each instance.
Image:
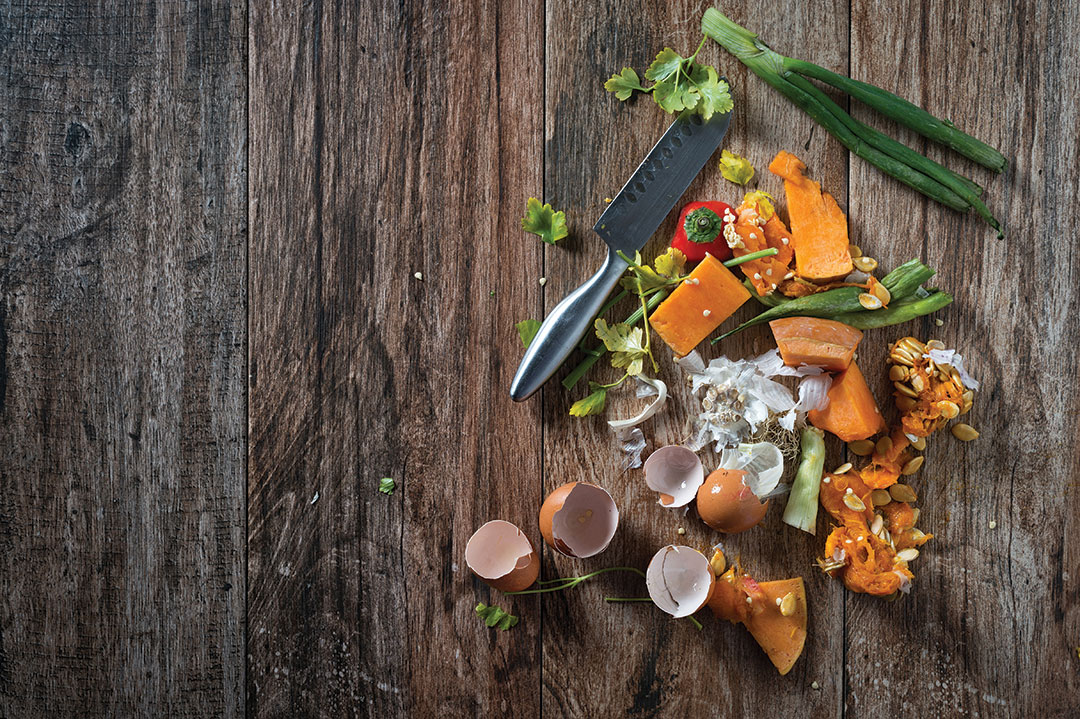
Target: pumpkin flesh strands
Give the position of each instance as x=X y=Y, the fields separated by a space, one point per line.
x=655 y=297
x=893 y=158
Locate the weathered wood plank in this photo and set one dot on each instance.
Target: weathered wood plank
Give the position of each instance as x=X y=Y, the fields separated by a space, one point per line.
x=602 y=660
x=388 y=139
x=991 y=626
x=122 y=333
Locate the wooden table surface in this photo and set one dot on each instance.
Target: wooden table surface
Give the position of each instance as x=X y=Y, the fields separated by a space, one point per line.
x=212 y=346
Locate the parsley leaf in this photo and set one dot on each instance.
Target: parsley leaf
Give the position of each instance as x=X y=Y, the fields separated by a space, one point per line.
x=624 y=83
x=678 y=84
x=671 y=264
x=593 y=404
x=527 y=329
x=387 y=485
x=626 y=345
x=543 y=221
x=735 y=169
x=496 y=617
x=667 y=63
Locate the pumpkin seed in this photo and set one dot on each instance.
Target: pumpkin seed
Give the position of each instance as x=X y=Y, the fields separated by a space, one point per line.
x=902 y=493
x=968 y=396
x=855 y=251
x=917 y=382
x=880 y=497
x=884 y=445
x=948 y=409
x=905 y=403
x=898 y=373
x=964 y=432
x=861 y=447
x=908 y=555
x=915 y=515
x=966 y=408
x=865 y=264
x=843 y=468
x=919 y=443
x=870 y=302
x=881 y=292
x=913 y=465
x=935 y=345
x=854 y=503
x=917 y=534
x=912 y=346
x=787 y=604
x=906 y=390
x=877 y=524
x=718 y=562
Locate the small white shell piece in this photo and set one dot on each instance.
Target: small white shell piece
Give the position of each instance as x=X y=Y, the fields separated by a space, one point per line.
x=762 y=462
x=680 y=580
x=676 y=472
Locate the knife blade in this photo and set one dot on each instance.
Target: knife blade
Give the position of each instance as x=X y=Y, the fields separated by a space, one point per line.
x=625 y=226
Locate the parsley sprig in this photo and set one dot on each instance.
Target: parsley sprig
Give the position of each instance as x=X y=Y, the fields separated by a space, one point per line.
x=678 y=84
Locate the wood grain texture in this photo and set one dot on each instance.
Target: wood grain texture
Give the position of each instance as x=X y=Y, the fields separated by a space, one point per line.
x=992 y=626
x=389 y=139
x=615 y=660
x=122 y=355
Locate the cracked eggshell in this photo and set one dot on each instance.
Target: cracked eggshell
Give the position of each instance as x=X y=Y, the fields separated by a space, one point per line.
x=501 y=555
x=579 y=519
x=726 y=504
x=680 y=580
x=676 y=473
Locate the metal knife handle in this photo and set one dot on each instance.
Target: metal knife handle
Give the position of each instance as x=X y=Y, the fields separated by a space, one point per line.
x=563 y=327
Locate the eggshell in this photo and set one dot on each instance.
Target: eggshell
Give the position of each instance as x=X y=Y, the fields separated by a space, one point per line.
x=680 y=580
x=579 y=519
x=675 y=473
x=501 y=555
x=726 y=504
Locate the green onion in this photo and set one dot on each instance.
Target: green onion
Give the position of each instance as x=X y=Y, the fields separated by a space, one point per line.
x=802 y=504
x=888 y=155
x=906 y=114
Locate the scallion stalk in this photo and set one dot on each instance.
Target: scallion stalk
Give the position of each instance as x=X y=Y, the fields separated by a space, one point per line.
x=802 y=505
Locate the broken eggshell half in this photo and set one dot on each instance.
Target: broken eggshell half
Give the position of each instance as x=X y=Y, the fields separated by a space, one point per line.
x=680 y=580
x=675 y=473
x=501 y=555
x=579 y=519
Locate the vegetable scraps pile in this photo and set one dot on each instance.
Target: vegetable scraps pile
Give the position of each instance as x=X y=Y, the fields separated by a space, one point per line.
x=759 y=420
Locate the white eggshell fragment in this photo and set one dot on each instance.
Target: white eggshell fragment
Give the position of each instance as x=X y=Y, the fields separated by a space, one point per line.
x=763 y=463
x=501 y=555
x=579 y=519
x=680 y=580
x=676 y=473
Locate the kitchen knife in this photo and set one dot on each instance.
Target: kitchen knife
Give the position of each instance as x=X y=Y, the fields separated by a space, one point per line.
x=626 y=225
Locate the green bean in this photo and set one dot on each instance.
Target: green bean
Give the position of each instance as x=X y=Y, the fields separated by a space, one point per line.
x=896 y=313
x=901 y=282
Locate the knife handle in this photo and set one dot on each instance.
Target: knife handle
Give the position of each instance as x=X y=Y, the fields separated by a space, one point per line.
x=563 y=327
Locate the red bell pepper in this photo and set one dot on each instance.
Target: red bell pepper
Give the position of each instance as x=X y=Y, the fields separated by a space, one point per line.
x=701 y=230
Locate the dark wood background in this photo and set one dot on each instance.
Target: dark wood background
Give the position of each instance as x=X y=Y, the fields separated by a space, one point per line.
x=212 y=346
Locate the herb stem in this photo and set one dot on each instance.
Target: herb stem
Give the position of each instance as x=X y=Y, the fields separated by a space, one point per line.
x=571 y=582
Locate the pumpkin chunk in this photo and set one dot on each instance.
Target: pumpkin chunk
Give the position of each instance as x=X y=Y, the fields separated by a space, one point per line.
x=818 y=228
x=852 y=412
x=698 y=306
x=816 y=341
x=781 y=635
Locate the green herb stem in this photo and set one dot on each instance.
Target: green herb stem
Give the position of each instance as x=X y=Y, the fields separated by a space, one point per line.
x=596 y=353
x=570 y=582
